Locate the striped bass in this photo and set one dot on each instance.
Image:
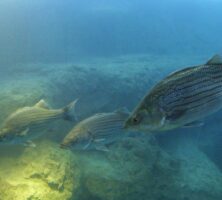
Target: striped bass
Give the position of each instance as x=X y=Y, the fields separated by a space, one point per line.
x=96 y=131
x=181 y=99
x=21 y=126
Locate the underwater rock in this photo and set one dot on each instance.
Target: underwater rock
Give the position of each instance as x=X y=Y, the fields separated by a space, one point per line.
x=199 y=177
x=133 y=169
x=44 y=173
x=137 y=168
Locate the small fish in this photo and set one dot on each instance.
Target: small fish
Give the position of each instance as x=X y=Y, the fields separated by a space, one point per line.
x=21 y=126
x=181 y=99
x=96 y=131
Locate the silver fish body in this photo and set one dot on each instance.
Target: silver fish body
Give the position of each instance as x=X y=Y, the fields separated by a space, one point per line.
x=180 y=99
x=96 y=131
x=29 y=122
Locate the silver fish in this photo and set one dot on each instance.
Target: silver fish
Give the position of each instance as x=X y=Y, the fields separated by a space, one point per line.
x=96 y=131
x=181 y=99
x=21 y=126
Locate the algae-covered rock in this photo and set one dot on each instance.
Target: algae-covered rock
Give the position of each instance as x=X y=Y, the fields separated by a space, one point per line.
x=44 y=173
x=137 y=168
x=199 y=177
x=133 y=169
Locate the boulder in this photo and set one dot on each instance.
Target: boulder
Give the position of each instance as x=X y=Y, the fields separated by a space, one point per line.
x=45 y=172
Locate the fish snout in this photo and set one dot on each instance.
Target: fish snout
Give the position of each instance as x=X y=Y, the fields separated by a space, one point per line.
x=126 y=124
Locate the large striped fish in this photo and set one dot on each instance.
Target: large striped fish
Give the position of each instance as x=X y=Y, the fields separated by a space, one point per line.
x=21 y=126
x=181 y=99
x=96 y=131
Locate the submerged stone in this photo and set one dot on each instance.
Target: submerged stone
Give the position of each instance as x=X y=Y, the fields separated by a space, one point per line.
x=44 y=173
x=134 y=169
x=137 y=168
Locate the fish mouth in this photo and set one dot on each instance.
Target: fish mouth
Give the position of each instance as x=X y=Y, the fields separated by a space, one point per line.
x=126 y=124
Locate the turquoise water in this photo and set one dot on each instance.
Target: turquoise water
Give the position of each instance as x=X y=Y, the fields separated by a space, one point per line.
x=108 y=54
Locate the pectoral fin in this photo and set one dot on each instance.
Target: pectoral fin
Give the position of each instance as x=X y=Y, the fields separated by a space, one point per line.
x=87 y=145
x=101 y=147
x=42 y=104
x=24 y=132
x=99 y=140
x=175 y=115
x=194 y=124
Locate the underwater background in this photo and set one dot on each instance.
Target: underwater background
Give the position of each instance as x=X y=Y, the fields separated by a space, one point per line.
x=108 y=54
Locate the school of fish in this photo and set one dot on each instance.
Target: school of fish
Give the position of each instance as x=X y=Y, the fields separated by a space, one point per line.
x=182 y=99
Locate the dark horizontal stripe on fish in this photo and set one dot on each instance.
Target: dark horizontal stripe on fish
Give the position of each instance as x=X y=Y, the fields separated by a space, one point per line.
x=196 y=76
x=42 y=115
x=106 y=133
x=107 y=118
x=194 y=82
x=36 y=119
x=118 y=126
x=106 y=126
x=203 y=69
x=105 y=122
x=207 y=102
x=39 y=123
x=196 y=93
x=192 y=105
x=192 y=100
x=198 y=82
x=172 y=94
x=199 y=107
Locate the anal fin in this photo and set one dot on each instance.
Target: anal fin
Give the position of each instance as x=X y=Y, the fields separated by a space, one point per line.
x=101 y=147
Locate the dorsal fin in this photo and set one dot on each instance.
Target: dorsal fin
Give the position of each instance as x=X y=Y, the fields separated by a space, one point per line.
x=42 y=104
x=215 y=60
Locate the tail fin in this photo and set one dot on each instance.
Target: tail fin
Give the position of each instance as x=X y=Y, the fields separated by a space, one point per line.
x=69 y=111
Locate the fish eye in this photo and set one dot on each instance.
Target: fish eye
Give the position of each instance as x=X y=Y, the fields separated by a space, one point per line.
x=136 y=119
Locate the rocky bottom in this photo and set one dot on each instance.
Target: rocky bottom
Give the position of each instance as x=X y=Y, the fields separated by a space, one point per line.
x=134 y=168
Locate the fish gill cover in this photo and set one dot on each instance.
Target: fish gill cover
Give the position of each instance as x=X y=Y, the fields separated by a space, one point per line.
x=108 y=55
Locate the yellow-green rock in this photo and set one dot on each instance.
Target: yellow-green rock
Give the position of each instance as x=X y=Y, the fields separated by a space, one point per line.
x=42 y=173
